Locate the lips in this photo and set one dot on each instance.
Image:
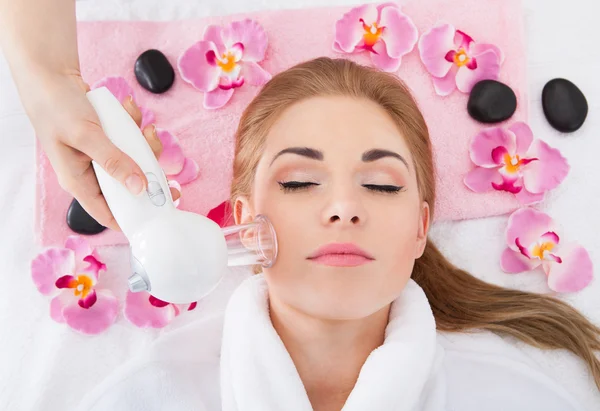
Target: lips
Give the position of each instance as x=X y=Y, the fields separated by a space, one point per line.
x=348 y=249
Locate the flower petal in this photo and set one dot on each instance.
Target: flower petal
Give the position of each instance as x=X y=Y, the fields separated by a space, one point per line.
x=480 y=48
x=213 y=34
x=400 y=34
x=192 y=306
x=574 y=273
x=550 y=236
x=433 y=47
x=95 y=319
x=509 y=183
x=446 y=85
x=221 y=214
x=189 y=172
x=79 y=245
x=66 y=281
x=217 y=98
x=522 y=249
x=527 y=198
x=89 y=300
x=382 y=60
x=480 y=179
x=118 y=86
x=523 y=137
x=94 y=267
x=56 y=309
x=195 y=68
x=49 y=265
x=139 y=311
x=484 y=143
x=548 y=172
x=528 y=225
x=148 y=117
x=348 y=29
x=498 y=155
x=155 y=302
x=172 y=158
x=252 y=36
x=254 y=74
x=513 y=262
x=462 y=39
x=488 y=68
x=237 y=50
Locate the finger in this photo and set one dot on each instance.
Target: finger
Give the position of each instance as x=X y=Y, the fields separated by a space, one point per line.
x=93 y=142
x=174 y=193
x=133 y=110
x=153 y=140
x=88 y=194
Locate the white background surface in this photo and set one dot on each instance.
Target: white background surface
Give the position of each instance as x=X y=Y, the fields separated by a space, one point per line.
x=45 y=366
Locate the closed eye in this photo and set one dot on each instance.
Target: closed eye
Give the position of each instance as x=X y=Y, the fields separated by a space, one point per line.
x=288 y=186
x=384 y=188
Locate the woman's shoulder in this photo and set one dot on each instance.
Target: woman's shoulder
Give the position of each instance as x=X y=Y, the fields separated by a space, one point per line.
x=484 y=371
x=179 y=371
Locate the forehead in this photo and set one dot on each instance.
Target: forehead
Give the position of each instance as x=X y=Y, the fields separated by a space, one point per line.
x=336 y=124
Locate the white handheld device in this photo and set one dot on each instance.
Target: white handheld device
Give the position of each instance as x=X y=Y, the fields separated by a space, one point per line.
x=176 y=255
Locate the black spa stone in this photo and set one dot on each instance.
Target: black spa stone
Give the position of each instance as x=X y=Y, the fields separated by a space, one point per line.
x=81 y=222
x=154 y=72
x=491 y=101
x=565 y=106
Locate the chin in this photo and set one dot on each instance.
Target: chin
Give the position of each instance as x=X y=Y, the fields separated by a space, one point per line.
x=346 y=293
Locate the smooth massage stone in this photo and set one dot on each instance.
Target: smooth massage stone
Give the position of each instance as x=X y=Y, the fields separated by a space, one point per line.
x=81 y=222
x=491 y=102
x=154 y=72
x=565 y=106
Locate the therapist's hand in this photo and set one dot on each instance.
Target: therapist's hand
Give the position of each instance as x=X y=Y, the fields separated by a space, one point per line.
x=70 y=133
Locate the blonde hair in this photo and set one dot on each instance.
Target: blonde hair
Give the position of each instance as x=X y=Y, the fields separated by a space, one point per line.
x=460 y=302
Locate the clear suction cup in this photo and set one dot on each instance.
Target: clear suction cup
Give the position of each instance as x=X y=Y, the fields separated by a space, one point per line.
x=251 y=244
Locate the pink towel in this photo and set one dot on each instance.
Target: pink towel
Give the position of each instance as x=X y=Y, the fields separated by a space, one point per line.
x=111 y=48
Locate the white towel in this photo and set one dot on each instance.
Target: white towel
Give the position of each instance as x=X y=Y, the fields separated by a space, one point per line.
x=257 y=372
x=237 y=362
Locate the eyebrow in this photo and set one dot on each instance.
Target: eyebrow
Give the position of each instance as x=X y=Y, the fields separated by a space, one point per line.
x=368 y=156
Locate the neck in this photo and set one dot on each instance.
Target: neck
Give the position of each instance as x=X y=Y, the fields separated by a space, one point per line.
x=328 y=354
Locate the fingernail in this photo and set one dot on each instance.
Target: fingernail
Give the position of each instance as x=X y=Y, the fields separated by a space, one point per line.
x=134 y=184
x=154 y=130
x=131 y=99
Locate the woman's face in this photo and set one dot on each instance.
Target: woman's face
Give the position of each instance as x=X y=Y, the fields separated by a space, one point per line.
x=337 y=171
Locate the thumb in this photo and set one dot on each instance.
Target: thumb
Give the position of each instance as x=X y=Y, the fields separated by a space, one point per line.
x=116 y=163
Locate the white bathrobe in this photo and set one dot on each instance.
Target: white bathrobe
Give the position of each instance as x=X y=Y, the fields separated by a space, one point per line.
x=237 y=362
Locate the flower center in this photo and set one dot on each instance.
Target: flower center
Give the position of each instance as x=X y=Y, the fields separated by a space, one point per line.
x=461 y=58
x=227 y=62
x=511 y=163
x=372 y=33
x=542 y=251
x=84 y=285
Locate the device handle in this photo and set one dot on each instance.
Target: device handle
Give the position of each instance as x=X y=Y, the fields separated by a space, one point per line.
x=130 y=211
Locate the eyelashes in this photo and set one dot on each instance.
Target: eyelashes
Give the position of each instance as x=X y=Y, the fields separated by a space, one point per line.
x=290 y=186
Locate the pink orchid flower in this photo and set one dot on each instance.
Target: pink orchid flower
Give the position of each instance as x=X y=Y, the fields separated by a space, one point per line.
x=225 y=59
x=454 y=59
x=144 y=310
x=532 y=241
x=172 y=160
x=70 y=275
x=383 y=30
x=511 y=160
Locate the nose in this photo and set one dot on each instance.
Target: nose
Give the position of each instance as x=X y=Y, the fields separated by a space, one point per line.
x=344 y=211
